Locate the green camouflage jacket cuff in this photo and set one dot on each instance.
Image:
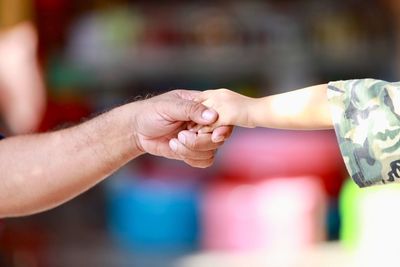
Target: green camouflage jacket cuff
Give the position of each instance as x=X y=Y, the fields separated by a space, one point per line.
x=366 y=118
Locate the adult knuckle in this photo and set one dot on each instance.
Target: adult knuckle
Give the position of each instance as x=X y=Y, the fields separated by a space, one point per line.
x=191 y=163
x=195 y=107
x=186 y=154
x=187 y=107
x=182 y=151
x=177 y=92
x=204 y=155
x=193 y=143
x=202 y=164
x=207 y=163
x=184 y=107
x=209 y=155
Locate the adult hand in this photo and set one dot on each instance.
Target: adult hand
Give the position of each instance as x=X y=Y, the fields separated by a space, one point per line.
x=161 y=123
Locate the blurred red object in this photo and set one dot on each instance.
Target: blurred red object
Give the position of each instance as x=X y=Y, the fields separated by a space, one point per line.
x=62 y=112
x=276 y=213
x=23 y=246
x=52 y=20
x=255 y=154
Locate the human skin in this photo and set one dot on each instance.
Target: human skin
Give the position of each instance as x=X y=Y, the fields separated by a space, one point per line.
x=305 y=108
x=22 y=91
x=41 y=171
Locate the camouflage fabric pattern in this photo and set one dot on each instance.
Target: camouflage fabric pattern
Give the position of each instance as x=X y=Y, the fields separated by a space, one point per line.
x=366 y=117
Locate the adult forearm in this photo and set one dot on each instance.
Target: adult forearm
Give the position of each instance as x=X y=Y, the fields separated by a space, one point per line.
x=41 y=171
x=300 y=109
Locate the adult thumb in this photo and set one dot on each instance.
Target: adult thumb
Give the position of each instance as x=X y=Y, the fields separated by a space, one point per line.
x=189 y=110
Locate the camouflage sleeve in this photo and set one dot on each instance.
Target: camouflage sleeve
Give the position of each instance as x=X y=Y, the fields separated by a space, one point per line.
x=366 y=118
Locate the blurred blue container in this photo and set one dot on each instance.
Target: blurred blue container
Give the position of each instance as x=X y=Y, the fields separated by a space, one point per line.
x=153 y=214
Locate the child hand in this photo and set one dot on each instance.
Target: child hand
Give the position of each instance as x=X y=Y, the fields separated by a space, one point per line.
x=233 y=109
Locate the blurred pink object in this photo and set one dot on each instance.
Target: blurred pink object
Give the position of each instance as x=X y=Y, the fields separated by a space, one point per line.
x=254 y=154
x=22 y=93
x=275 y=214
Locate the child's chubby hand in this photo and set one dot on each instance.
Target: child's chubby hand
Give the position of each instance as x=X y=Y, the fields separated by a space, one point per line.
x=233 y=109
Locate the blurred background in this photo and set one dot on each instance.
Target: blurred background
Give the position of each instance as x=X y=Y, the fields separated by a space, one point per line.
x=273 y=198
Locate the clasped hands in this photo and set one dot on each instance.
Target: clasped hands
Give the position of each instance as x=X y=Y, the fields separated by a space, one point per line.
x=163 y=126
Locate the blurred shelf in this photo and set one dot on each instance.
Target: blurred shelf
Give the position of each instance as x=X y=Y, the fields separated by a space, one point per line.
x=213 y=65
x=172 y=62
x=221 y=43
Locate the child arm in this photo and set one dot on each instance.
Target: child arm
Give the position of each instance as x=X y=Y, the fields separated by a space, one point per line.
x=365 y=113
x=305 y=108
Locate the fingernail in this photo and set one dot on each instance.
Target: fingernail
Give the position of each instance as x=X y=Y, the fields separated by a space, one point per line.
x=218 y=139
x=208 y=115
x=182 y=138
x=173 y=144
